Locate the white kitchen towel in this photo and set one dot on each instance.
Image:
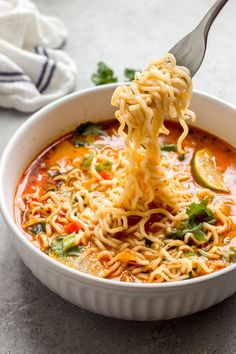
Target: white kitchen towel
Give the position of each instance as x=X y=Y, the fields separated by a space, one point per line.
x=32 y=72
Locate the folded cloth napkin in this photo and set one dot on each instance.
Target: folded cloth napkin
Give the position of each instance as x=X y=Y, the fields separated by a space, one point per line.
x=32 y=72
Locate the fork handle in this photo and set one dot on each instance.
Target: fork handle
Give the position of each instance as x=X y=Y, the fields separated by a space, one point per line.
x=209 y=18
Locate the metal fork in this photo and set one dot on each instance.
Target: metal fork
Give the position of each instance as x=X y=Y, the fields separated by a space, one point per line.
x=190 y=50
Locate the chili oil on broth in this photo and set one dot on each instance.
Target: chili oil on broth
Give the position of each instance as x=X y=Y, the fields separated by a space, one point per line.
x=54 y=209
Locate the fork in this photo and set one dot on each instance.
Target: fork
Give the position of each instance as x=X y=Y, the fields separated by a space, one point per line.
x=190 y=50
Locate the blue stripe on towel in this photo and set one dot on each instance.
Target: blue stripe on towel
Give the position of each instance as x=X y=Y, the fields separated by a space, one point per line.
x=41 y=76
x=50 y=76
x=45 y=52
x=36 y=48
x=18 y=80
x=11 y=73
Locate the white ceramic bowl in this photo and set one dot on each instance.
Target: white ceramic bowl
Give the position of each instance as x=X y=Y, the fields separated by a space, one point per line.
x=131 y=301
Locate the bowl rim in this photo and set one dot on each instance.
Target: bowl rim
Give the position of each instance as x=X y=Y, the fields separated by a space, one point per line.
x=70 y=272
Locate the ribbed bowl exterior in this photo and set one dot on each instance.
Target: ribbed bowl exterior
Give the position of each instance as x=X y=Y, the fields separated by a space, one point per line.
x=131 y=303
x=107 y=297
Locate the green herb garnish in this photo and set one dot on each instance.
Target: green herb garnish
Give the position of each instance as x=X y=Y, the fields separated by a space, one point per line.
x=168 y=147
x=230 y=256
x=57 y=246
x=87 y=161
x=104 y=165
x=129 y=73
x=64 y=246
x=104 y=75
x=181 y=157
x=148 y=243
x=180 y=234
x=37 y=228
x=74 y=251
x=200 y=213
x=69 y=242
x=189 y=254
x=79 y=140
x=197 y=215
x=85 y=129
x=90 y=128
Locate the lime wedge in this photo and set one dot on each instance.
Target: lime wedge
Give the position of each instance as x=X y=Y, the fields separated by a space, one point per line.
x=205 y=171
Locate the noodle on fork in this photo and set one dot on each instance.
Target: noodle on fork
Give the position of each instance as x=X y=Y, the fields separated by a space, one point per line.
x=163 y=90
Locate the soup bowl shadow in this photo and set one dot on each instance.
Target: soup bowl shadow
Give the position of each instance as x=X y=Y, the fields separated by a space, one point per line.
x=131 y=301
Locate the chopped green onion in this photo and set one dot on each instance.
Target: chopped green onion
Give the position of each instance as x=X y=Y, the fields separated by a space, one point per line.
x=69 y=242
x=64 y=246
x=87 y=161
x=104 y=165
x=168 y=147
x=189 y=254
x=230 y=256
x=57 y=246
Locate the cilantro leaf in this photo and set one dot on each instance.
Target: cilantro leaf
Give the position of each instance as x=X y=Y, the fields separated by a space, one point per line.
x=104 y=75
x=74 y=251
x=89 y=128
x=177 y=235
x=129 y=73
x=198 y=233
x=85 y=129
x=79 y=141
x=197 y=215
x=37 y=228
x=195 y=209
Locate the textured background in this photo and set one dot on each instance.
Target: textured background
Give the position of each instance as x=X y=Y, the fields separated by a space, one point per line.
x=122 y=33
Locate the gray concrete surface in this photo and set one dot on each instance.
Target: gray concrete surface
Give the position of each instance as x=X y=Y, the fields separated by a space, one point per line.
x=122 y=33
